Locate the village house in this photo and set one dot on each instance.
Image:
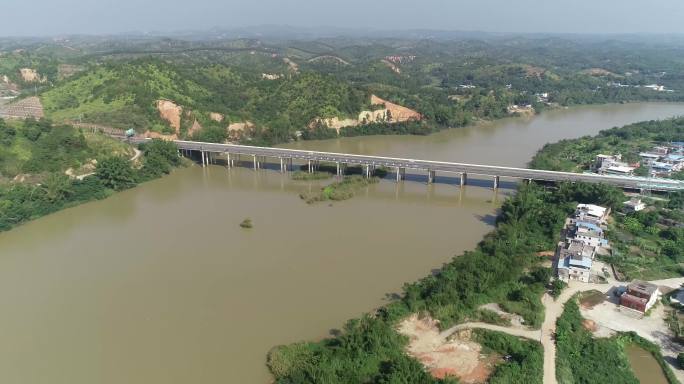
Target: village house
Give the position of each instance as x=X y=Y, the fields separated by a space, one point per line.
x=584 y=235
x=664 y=159
x=588 y=236
x=575 y=260
x=648 y=158
x=612 y=165
x=634 y=205
x=591 y=211
x=640 y=296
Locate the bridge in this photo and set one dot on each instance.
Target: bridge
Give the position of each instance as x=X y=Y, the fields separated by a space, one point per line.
x=258 y=155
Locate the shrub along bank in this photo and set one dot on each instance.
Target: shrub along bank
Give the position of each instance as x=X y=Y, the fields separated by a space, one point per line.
x=370 y=350
x=339 y=190
x=583 y=359
x=21 y=202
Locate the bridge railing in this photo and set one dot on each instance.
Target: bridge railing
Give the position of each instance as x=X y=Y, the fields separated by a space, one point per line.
x=430 y=165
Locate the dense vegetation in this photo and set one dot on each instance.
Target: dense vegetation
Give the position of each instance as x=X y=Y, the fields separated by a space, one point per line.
x=579 y=154
x=502 y=268
x=525 y=362
x=20 y=202
x=649 y=244
x=281 y=86
x=35 y=147
x=125 y=95
x=581 y=358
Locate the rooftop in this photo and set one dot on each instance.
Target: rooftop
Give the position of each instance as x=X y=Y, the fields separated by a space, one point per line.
x=588 y=224
x=633 y=202
x=577 y=249
x=619 y=168
x=642 y=287
x=592 y=210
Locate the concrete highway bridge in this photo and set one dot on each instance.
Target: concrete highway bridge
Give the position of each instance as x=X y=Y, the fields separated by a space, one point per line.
x=258 y=155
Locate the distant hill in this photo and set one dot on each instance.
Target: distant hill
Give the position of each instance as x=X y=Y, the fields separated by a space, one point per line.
x=270 y=88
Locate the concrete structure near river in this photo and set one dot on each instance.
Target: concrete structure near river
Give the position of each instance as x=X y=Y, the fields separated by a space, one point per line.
x=369 y=163
x=159 y=284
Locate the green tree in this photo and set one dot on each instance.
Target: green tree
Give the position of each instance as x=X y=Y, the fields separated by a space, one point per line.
x=633 y=225
x=115 y=173
x=57 y=187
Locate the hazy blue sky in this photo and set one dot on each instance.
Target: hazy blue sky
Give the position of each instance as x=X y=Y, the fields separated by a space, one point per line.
x=48 y=17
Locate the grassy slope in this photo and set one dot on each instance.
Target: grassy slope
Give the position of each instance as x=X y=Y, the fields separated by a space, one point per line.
x=37 y=148
x=124 y=95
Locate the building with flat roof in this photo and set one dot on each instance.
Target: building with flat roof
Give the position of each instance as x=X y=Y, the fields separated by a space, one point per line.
x=591 y=211
x=634 y=205
x=588 y=236
x=575 y=260
x=640 y=296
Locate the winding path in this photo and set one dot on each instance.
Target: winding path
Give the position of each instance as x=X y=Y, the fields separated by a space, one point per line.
x=553 y=310
x=526 y=333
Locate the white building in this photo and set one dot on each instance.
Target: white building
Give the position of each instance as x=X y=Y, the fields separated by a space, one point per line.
x=587 y=236
x=612 y=165
x=634 y=205
x=574 y=261
x=592 y=211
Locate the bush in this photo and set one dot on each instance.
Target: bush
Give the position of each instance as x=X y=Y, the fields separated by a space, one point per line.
x=116 y=173
x=557 y=287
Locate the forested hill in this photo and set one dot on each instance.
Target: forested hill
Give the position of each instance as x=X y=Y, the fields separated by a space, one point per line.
x=125 y=95
x=278 y=88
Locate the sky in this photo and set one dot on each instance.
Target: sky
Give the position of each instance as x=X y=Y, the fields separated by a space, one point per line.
x=59 y=17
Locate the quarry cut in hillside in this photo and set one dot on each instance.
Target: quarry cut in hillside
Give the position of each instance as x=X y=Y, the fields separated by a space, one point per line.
x=392 y=113
x=171 y=112
x=30 y=75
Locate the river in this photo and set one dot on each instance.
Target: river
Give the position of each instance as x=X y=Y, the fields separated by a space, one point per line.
x=159 y=284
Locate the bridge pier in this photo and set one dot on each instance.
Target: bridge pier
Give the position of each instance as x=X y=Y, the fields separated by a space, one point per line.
x=431 y=176
x=367 y=171
x=339 y=169
x=209 y=151
x=310 y=167
x=256 y=163
x=282 y=165
x=496 y=182
x=401 y=174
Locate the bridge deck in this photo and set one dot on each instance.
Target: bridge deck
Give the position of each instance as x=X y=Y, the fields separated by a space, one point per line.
x=628 y=182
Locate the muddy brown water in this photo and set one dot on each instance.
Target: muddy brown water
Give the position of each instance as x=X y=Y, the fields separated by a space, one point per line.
x=644 y=365
x=159 y=284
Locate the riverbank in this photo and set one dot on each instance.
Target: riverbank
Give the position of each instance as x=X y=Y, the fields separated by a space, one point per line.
x=136 y=277
x=24 y=201
x=501 y=269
